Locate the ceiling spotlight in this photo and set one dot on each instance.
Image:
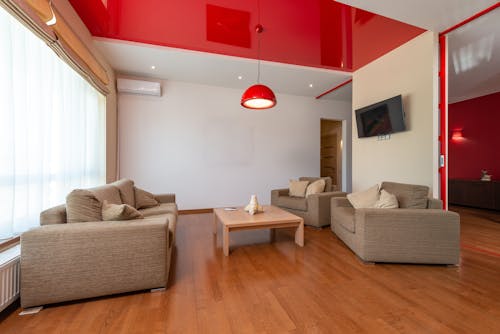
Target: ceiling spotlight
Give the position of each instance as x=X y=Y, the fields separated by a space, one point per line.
x=53 y=19
x=240 y=77
x=153 y=67
x=311 y=85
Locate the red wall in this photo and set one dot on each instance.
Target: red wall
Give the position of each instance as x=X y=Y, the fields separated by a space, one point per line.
x=479 y=119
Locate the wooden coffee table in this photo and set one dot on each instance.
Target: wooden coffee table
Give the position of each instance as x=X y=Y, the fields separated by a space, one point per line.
x=272 y=218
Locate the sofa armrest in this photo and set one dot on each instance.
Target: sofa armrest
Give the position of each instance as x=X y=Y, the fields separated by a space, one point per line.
x=318 y=206
x=281 y=192
x=276 y=193
x=409 y=233
x=433 y=203
x=74 y=261
x=165 y=198
x=340 y=202
x=322 y=200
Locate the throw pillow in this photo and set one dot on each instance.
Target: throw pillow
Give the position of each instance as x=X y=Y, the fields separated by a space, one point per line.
x=410 y=196
x=144 y=199
x=364 y=199
x=126 y=188
x=83 y=206
x=297 y=188
x=316 y=187
x=107 y=192
x=119 y=212
x=386 y=201
x=328 y=181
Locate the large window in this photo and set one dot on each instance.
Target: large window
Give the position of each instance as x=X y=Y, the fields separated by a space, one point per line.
x=52 y=129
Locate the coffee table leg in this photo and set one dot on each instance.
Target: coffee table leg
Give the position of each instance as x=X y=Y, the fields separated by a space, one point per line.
x=299 y=234
x=225 y=240
x=215 y=223
x=272 y=234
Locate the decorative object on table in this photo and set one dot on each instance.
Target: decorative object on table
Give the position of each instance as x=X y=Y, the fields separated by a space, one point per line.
x=253 y=207
x=485 y=176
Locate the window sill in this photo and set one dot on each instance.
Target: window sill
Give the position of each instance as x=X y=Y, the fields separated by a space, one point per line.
x=9 y=243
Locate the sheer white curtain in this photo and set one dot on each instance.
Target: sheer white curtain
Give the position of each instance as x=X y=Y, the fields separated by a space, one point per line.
x=52 y=129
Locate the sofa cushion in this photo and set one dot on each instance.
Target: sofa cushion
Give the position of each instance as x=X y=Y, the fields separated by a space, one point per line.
x=159 y=209
x=126 y=189
x=328 y=181
x=386 y=201
x=344 y=217
x=108 y=193
x=144 y=199
x=294 y=203
x=83 y=206
x=408 y=195
x=364 y=199
x=297 y=188
x=119 y=212
x=316 y=187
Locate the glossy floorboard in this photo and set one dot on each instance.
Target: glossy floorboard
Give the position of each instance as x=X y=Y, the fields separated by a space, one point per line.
x=279 y=287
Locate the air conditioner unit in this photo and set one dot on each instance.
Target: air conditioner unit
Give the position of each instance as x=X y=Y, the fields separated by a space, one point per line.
x=141 y=87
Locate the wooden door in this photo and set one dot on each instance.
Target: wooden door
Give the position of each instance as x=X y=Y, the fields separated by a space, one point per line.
x=331 y=151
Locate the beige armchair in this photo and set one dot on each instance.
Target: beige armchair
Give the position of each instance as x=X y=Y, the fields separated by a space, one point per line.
x=419 y=231
x=315 y=208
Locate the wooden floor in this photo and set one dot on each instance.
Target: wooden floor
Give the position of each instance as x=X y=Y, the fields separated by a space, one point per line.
x=279 y=287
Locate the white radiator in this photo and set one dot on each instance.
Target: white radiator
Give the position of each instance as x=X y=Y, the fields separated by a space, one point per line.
x=9 y=276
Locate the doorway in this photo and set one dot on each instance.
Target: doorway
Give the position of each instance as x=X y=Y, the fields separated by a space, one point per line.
x=331 y=151
x=467 y=80
x=470 y=94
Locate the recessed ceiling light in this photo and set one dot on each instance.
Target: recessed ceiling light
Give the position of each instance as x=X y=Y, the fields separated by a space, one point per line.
x=240 y=77
x=153 y=67
x=311 y=85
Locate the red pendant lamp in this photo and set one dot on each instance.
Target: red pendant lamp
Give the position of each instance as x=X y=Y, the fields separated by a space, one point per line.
x=258 y=96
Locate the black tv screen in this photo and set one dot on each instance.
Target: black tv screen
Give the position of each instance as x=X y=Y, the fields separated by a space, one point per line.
x=381 y=118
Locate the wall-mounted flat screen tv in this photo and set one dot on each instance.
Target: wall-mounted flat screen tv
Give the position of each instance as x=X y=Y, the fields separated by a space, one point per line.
x=381 y=118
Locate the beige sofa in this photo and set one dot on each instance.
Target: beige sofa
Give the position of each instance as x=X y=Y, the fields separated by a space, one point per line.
x=418 y=232
x=63 y=261
x=315 y=209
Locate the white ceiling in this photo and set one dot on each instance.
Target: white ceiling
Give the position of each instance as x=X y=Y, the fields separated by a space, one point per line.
x=473 y=49
x=474 y=58
x=435 y=15
x=219 y=70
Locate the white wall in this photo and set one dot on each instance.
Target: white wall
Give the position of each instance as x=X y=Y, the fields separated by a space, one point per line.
x=197 y=142
x=410 y=156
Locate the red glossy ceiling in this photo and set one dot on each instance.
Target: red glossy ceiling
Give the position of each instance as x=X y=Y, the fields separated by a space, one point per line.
x=317 y=33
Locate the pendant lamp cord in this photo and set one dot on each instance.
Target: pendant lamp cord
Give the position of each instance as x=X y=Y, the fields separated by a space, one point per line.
x=259 y=31
x=258 y=63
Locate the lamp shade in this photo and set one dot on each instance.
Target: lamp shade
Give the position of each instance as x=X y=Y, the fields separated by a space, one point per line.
x=457 y=134
x=258 y=97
